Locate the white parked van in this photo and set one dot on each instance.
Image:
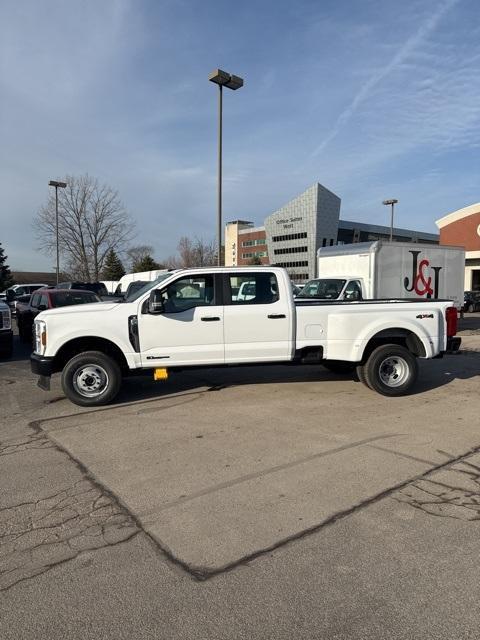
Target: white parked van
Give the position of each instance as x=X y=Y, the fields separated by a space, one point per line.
x=146 y=276
x=385 y=270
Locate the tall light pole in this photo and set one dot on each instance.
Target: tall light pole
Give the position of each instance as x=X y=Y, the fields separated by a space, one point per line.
x=392 y=202
x=57 y=185
x=223 y=79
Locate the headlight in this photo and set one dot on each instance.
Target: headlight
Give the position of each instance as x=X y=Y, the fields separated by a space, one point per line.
x=6 y=319
x=40 y=337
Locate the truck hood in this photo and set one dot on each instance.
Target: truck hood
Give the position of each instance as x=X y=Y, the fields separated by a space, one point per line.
x=97 y=307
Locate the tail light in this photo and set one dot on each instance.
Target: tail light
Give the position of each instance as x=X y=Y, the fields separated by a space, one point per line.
x=451 y=315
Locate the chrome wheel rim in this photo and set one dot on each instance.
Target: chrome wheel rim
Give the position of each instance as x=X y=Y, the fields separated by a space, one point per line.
x=394 y=371
x=90 y=381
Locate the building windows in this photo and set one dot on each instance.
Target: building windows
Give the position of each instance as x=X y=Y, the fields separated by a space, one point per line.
x=252 y=243
x=299 y=263
x=299 y=277
x=290 y=250
x=291 y=236
x=255 y=254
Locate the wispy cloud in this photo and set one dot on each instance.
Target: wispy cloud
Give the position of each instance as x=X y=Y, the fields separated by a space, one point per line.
x=399 y=58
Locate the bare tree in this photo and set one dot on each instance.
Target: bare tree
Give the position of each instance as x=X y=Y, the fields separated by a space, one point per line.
x=91 y=222
x=196 y=253
x=138 y=254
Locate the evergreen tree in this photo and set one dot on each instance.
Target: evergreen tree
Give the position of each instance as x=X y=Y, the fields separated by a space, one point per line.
x=147 y=263
x=6 y=278
x=113 y=269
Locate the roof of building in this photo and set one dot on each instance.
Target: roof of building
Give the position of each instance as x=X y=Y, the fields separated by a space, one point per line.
x=28 y=277
x=376 y=228
x=458 y=215
x=251 y=230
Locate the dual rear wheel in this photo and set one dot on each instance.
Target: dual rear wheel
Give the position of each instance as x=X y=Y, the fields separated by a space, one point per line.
x=391 y=370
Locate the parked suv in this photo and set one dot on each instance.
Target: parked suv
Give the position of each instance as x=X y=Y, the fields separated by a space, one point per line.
x=17 y=290
x=471 y=301
x=6 y=334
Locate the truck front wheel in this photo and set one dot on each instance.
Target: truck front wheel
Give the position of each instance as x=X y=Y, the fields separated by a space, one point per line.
x=91 y=379
x=391 y=370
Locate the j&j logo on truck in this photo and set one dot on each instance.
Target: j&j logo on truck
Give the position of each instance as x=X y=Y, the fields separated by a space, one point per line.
x=420 y=281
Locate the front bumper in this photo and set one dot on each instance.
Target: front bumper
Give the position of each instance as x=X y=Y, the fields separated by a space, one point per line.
x=41 y=365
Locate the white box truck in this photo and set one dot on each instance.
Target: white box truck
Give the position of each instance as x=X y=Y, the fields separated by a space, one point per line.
x=386 y=270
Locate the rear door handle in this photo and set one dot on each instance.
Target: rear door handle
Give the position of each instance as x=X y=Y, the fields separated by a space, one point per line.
x=276 y=316
x=210 y=319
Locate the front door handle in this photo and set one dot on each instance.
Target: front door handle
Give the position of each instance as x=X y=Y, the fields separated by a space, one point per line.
x=210 y=319
x=276 y=316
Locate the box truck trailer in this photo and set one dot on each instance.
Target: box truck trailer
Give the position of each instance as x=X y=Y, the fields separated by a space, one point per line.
x=386 y=270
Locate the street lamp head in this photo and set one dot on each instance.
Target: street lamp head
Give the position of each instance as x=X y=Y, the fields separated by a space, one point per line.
x=392 y=201
x=55 y=183
x=225 y=79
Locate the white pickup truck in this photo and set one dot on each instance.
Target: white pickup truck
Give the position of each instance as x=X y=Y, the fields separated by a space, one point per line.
x=194 y=318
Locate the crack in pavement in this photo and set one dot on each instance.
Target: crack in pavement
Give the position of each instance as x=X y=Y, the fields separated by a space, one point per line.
x=453 y=492
x=33 y=441
x=39 y=534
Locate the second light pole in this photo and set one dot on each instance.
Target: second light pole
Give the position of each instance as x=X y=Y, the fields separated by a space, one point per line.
x=393 y=202
x=57 y=185
x=223 y=79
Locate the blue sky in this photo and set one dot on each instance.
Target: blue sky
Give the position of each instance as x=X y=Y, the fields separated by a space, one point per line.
x=373 y=98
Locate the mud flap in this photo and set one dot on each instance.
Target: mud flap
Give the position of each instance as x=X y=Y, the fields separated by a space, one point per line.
x=44 y=382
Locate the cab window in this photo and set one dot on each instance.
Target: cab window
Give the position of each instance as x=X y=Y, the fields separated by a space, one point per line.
x=353 y=291
x=35 y=300
x=253 y=288
x=188 y=293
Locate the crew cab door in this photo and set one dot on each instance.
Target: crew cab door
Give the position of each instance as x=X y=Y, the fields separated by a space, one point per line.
x=189 y=330
x=258 y=318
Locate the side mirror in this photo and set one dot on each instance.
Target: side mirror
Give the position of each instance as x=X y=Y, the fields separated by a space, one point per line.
x=42 y=307
x=10 y=295
x=155 y=303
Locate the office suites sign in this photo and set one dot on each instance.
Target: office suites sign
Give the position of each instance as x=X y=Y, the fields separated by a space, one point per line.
x=288 y=222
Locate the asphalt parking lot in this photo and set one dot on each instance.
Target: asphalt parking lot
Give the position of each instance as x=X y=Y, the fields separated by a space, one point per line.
x=276 y=502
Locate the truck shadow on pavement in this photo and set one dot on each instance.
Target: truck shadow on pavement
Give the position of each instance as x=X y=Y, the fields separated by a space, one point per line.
x=433 y=375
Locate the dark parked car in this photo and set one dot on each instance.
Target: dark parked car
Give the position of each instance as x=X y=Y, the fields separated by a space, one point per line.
x=44 y=299
x=97 y=287
x=471 y=301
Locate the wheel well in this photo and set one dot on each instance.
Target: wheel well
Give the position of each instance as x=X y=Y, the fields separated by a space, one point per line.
x=399 y=336
x=88 y=343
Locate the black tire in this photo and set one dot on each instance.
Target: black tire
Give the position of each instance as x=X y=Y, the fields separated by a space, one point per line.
x=340 y=367
x=91 y=379
x=361 y=375
x=391 y=370
x=7 y=351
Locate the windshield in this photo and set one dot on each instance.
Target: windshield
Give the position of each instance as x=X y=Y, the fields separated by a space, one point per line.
x=68 y=297
x=149 y=285
x=322 y=289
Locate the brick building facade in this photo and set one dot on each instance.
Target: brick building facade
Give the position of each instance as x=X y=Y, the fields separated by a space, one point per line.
x=462 y=229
